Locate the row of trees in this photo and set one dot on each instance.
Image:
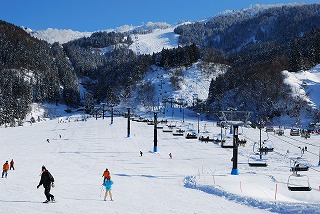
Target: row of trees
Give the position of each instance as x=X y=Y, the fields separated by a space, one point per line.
x=32 y=70
x=230 y=33
x=177 y=57
x=255 y=80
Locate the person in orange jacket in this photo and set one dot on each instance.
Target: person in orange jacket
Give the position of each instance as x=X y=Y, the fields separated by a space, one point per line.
x=106 y=175
x=5 y=168
x=12 y=164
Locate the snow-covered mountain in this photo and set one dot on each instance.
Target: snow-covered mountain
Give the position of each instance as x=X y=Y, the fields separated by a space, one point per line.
x=148 y=38
x=154 y=42
x=52 y=35
x=304 y=84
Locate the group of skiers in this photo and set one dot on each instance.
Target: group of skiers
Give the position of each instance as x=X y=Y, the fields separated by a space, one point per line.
x=6 y=167
x=47 y=181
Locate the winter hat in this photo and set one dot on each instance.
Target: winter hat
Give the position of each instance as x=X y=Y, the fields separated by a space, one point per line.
x=43 y=167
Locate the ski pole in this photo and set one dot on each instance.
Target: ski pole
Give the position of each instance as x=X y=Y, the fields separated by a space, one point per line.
x=101 y=191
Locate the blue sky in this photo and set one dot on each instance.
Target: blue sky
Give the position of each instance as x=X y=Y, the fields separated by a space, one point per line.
x=93 y=15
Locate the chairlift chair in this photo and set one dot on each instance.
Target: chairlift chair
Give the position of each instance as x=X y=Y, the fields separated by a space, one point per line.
x=295 y=132
x=206 y=138
x=178 y=132
x=299 y=164
x=255 y=161
x=297 y=182
x=167 y=128
x=267 y=146
x=269 y=129
x=191 y=135
x=279 y=132
x=227 y=142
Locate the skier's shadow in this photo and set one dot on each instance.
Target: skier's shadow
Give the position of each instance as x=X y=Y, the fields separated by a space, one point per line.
x=19 y=201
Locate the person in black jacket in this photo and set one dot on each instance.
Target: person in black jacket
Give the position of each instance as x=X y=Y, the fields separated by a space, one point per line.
x=46 y=180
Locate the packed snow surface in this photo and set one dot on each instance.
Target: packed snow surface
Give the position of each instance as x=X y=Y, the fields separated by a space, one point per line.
x=196 y=180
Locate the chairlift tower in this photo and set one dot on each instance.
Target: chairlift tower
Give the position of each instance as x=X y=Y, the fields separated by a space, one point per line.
x=235 y=119
x=319 y=158
x=194 y=99
x=155 y=135
x=137 y=44
x=128 y=126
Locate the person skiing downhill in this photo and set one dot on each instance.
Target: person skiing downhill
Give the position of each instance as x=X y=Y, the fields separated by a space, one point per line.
x=108 y=184
x=106 y=175
x=46 y=180
x=5 y=168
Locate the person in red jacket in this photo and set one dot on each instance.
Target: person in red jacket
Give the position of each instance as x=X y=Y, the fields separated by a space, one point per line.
x=5 y=168
x=106 y=175
x=12 y=164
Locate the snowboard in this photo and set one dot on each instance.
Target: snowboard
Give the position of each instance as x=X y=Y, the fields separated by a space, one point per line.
x=48 y=202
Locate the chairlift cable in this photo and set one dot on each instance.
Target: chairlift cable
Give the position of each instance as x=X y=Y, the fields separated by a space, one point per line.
x=310 y=144
x=297 y=146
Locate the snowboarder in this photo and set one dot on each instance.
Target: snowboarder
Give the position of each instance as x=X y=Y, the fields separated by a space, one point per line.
x=108 y=184
x=47 y=181
x=141 y=154
x=106 y=175
x=5 y=168
x=12 y=164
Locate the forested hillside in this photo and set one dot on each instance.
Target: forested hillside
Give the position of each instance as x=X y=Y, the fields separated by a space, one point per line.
x=31 y=71
x=256 y=44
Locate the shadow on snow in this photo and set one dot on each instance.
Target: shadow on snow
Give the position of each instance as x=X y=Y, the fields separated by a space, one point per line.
x=277 y=207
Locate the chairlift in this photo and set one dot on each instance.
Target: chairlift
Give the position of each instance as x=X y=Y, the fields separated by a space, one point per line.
x=294 y=132
x=255 y=161
x=227 y=142
x=279 y=132
x=297 y=182
x=269 y=129
x=299 y=164
x=266 y=146
x=178 y=132
x=167 y=128
x=206 y=137
x=191 y=135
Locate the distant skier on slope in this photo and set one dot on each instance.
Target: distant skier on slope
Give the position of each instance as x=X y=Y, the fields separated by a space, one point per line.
x=5 y=169
x=12 y=164
x=46 y=180
x=108 y=184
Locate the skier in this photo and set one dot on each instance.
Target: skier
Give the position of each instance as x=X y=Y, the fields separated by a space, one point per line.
x=106 y=175
x=170 y=155
x=48 y=140
x=141 y=154
x=46 y=180
x=12 y=164
x=5 y=168
x=108 y=184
